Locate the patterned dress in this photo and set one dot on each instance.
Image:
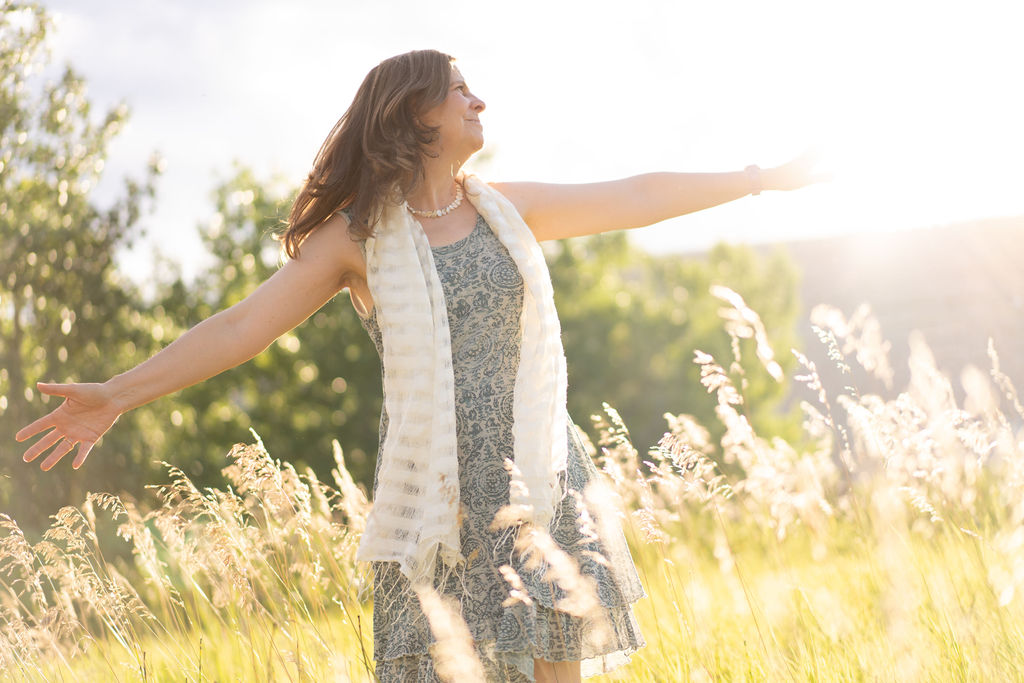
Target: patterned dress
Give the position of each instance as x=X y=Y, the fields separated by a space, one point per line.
x=484 y=292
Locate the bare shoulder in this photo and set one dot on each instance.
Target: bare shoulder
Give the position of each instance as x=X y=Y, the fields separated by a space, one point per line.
x=557 y=210
x=330 y=247
x=515 y=192
x=542 y=206
x=518 y=193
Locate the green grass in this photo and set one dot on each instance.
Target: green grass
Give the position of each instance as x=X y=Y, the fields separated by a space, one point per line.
x=861 y=611
x=888 y=550
x=858 y=607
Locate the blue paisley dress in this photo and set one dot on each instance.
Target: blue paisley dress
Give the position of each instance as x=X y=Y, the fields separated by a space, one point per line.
x=484 y=293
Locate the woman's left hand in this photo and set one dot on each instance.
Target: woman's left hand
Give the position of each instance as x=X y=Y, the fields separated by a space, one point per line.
x=804 y=170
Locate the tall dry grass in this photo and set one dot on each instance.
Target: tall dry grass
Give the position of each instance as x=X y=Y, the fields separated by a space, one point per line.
x=257 y=581
x=887 y=545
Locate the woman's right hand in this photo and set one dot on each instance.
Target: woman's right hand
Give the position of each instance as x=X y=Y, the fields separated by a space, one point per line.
x=329 y=259
x=87 y=412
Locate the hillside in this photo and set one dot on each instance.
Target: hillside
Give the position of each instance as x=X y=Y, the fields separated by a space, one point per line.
x=958 y=284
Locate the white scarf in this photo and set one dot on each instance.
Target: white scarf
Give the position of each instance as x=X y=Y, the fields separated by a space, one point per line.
x=415 y=513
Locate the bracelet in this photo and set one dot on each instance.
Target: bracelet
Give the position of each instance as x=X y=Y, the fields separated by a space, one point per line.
x=754 y=176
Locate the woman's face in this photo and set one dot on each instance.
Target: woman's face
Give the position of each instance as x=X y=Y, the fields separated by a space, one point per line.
x=458 y=119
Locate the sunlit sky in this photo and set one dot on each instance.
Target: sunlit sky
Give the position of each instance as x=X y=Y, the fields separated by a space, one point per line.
x=917 y=105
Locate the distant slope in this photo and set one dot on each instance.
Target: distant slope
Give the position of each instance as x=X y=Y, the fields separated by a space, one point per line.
x=958 y=284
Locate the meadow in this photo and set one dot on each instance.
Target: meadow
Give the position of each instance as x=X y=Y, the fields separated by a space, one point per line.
x=885 y=545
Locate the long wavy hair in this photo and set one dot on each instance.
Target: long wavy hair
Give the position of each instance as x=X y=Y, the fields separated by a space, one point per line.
x=374 y=153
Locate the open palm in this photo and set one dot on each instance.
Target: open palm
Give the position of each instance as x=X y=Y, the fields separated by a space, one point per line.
x=808 y=168
x=87 y=412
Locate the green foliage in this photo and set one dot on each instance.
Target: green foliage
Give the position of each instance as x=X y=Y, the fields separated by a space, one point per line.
x=65 y=314
x=787 y=571
x=631 y=322
x=319 y=382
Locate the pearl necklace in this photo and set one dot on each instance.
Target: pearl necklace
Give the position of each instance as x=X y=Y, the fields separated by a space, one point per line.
x=437 y=213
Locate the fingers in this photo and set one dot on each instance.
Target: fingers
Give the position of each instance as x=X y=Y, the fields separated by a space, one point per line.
x=818 y=165
x=45 y=422
x=823 y=176
x=52 y=388
x=83 y=453
x=63 y=449
x=44 y=443
x=59 y=452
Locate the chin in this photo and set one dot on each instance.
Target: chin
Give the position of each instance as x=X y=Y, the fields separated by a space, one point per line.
x=471 y=148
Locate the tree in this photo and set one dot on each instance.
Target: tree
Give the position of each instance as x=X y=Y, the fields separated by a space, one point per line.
x=65 y=312
x=317 y=383
x=631 y=322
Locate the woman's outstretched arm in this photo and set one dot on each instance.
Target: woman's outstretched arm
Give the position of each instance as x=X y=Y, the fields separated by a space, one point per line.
x=329 y=257
x=556 y=211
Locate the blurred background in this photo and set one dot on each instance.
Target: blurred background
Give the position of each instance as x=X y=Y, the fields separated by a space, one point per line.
x=148 y=149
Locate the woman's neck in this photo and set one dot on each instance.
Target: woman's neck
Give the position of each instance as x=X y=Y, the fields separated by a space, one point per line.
x=436 y=188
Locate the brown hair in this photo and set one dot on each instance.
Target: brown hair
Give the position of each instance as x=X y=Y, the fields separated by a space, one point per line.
x=374 y=152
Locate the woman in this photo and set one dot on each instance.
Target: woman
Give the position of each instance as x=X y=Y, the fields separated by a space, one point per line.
x=456 y=297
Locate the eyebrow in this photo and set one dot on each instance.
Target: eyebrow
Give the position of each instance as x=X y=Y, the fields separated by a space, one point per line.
x=457 y=82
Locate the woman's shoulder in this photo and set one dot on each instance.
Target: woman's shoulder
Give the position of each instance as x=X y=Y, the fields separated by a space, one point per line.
x=333 y=240
x=349 y=217
x=518 y=193
x=346 y=215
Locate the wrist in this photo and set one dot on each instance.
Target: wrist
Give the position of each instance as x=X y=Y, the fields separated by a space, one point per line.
x=772 y=178
x=754 y=180
x=122 y=396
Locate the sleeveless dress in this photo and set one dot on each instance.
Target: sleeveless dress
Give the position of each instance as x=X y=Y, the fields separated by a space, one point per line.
x=484 y=292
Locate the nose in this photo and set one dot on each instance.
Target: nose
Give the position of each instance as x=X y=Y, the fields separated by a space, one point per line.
x=478 y=104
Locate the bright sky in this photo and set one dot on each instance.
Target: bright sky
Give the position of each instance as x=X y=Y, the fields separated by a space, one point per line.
x=918 y=104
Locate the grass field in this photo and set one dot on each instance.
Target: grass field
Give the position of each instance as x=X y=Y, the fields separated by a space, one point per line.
x=887 y=546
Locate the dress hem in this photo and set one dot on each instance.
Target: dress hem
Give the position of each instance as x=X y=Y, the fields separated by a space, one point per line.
x=504 y=664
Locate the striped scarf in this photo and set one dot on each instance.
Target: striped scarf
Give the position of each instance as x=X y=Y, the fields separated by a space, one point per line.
x=415 y=515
